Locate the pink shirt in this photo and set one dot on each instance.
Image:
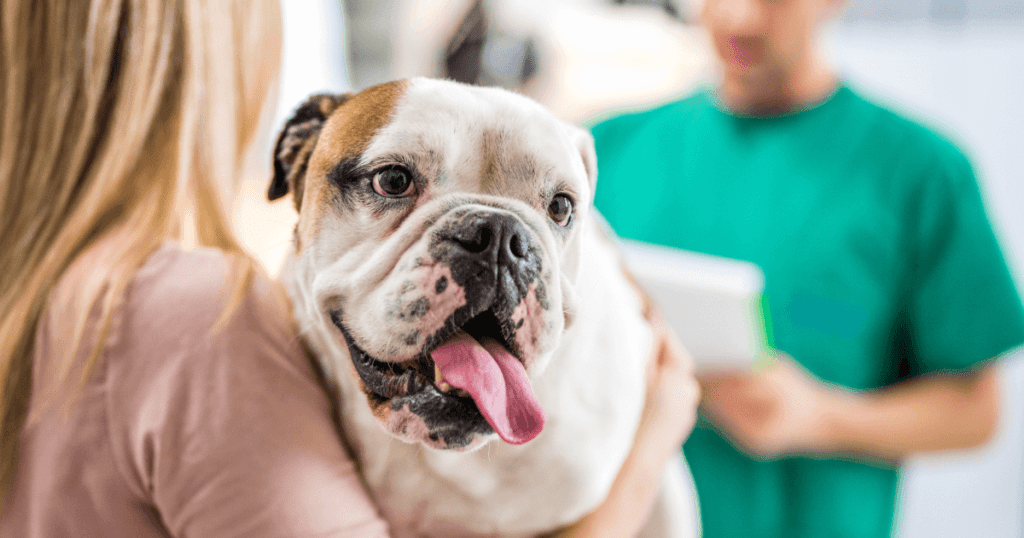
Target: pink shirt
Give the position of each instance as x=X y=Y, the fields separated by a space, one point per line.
x=178 y=432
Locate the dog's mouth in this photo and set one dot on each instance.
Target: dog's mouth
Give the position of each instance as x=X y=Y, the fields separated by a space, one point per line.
x=468 y=380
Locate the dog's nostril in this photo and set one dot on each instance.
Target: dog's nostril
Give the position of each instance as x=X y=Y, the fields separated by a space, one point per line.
x=477 y=242
x=515 y=244
x=500 y=238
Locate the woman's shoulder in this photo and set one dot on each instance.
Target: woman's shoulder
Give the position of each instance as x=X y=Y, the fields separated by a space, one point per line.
x=192 y=290
x=186 y=312
x=175 y=280
x=229 y=396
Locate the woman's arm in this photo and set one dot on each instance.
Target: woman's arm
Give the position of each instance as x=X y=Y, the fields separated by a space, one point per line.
x=668 y=417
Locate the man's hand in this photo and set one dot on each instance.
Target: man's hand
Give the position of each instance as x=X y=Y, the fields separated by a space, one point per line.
x=780 y=410
x=785 y=410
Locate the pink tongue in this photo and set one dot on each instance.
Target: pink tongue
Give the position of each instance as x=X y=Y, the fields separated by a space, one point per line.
x=497 y=382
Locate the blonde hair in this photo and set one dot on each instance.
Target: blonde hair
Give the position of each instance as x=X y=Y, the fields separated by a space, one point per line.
x=121 y=120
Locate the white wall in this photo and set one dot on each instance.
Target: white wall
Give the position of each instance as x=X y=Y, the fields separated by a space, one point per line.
x=313 y=52
x=313 y=61
x=968 y=81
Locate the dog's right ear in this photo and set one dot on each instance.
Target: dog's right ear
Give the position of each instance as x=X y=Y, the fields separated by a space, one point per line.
x=296 y=141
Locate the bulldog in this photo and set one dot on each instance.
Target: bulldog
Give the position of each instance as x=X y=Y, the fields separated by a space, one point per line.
x=488 y=352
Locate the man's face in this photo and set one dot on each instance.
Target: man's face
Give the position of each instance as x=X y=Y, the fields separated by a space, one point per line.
x=762 y=42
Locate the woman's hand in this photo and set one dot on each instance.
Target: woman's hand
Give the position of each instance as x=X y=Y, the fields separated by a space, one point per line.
x=670 y=411
x=670 y=408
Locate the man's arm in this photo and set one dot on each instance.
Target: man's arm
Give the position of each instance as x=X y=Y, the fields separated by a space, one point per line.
x=920 y=415
x=785 y=410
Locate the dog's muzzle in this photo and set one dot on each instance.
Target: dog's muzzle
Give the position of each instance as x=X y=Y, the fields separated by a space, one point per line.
x=491 y=256
x=483 y=347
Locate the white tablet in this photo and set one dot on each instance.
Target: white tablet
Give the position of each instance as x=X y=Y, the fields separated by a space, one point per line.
x=714 y=304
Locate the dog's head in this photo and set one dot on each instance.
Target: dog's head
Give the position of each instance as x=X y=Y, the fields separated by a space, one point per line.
x=437 y=238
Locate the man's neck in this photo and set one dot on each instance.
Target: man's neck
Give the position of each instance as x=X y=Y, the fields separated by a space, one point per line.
x=801 y=88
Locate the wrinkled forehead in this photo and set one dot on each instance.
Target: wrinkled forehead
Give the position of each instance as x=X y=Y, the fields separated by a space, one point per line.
x=469 y=139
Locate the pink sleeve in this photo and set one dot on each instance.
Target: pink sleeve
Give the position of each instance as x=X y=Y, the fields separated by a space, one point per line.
x=226 y=434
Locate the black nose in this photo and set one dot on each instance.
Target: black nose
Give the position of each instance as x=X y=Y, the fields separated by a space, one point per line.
x=494 y=259
x=496 y=238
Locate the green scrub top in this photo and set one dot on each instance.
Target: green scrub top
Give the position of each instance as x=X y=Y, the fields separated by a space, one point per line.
x=880 y=264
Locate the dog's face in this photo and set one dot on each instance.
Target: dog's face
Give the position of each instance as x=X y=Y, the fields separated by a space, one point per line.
x=437 y=239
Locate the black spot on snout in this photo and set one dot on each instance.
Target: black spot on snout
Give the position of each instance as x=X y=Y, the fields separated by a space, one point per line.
x=418 y=308
x=441 y=285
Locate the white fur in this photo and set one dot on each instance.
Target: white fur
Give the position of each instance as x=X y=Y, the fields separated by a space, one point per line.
x=591 y=384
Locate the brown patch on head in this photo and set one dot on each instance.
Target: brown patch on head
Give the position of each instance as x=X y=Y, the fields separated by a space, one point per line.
x=295 y=144
x=348 y=132
x=345 y=134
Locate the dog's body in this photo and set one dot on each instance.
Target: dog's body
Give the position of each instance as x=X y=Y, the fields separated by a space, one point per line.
x=452 y=285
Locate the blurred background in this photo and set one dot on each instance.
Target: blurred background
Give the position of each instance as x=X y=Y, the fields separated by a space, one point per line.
x=955 y=65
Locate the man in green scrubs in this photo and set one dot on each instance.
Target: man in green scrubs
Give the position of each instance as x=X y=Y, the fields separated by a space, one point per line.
x=887 y=291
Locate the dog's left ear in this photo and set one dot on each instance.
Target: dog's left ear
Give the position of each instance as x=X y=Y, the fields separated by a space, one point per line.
x=585 y=145
x=296 y=141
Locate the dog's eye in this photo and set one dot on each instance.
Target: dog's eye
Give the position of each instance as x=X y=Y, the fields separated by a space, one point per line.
x=393 y=183
x=560 y=209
